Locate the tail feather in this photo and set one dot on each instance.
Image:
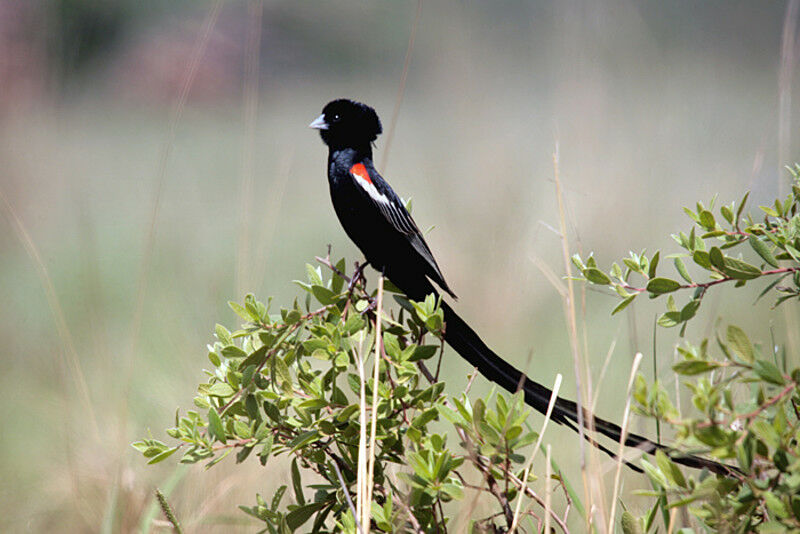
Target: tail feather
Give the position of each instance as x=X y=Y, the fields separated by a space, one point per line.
x=469 y=345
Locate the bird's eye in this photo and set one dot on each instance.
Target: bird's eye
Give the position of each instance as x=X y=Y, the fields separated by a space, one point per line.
x=336 y=117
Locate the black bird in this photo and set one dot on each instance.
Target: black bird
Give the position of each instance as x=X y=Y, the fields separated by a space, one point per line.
x=374 y=217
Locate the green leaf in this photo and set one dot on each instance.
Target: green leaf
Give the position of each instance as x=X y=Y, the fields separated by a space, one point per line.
x=630 y=524
x=304 y=439
x=655 y=474
x=292 y=316
x=769 y=372
x=701 y=258
x=762 y=250
x=232 y=351
x=297 y=517
x=223 y=335
x=596 y=276
x=297 y=484
x=659 y=286
x=314 y=274
x=717 y=258
x=670 y=469
x=221 y=389
x=324 y=295
x=162 y=456
x=338 y=282
x=283 y=371
x=624 y=304
x=241 y=429
x=769 y=211
x=737 y=340
x=694 y=367
x=240 y=310
x=766 y=433
x=793 y=252
x=576 y=260
x=256 y=358
x=651 y=273
x=741 y=206
x=775 y=505
x=215 y=427
x=727 y=213
x=681 y=268
x=669 y=319
x=739 y=269
x=707 y=220
x=423 y=352
x=689 y=310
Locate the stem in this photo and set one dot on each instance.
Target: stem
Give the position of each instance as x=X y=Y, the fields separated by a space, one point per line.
x=706 y=285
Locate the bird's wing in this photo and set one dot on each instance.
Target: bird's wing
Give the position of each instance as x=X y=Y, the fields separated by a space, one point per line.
x=396 y=214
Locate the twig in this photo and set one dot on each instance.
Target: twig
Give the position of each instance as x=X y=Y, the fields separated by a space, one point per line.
x=751 y=415
x=411 y=517
x=492 y=484
x=532 y=494
x=706 y=285
x=346 y=493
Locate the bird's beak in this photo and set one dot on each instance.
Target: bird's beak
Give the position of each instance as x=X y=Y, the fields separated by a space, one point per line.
x=319 y=123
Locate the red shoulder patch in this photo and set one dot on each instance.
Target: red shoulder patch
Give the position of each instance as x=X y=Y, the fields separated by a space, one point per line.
x=359 y=171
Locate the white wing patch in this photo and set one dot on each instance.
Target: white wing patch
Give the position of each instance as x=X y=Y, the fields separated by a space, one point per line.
x=359 y=172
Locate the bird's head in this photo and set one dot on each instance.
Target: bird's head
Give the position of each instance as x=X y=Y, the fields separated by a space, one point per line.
x=347 y=124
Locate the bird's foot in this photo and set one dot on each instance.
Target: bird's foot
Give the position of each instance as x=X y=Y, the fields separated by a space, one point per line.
x=358 y=274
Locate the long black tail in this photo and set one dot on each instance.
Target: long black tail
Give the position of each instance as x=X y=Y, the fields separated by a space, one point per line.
x=469 y=345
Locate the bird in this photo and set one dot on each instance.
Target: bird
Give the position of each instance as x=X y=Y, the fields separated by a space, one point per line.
x=375 y=218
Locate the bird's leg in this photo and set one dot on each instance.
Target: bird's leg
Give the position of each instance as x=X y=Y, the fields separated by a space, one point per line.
x=358 y=274
x=373 y=302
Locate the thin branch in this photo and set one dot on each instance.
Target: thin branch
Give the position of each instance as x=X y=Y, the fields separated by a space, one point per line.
x=706 y=285
x=346 y=493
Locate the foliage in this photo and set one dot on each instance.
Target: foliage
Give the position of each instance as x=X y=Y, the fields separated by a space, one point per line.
x=296 y=384
x=745 y=400
x=293 y=384
x=708 y=245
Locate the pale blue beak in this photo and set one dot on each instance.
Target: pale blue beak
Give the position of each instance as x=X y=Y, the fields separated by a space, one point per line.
x=319 y=123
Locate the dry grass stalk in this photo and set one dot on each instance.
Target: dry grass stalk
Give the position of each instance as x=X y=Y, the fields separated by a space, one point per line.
x=527 y=469
x=250 y=112
x=374 y=423
x=620 y=454
x=71 y=361
x=548 y=490
x=361 y=474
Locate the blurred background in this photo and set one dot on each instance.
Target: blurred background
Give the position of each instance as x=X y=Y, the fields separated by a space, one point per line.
x=155 y=162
